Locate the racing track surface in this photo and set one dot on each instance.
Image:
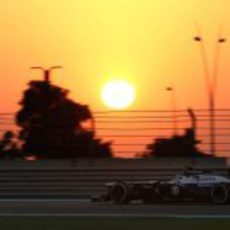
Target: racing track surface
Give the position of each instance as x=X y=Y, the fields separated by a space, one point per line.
x=47 y=207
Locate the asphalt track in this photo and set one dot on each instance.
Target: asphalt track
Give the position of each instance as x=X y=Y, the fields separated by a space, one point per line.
x=58 y=207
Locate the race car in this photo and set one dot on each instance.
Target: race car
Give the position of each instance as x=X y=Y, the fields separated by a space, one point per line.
x=187 y=186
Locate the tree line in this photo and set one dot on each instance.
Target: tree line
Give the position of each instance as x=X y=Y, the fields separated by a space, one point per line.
x=52 y=127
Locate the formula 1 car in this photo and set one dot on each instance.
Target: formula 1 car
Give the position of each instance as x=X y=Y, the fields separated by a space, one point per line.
x=188 y=186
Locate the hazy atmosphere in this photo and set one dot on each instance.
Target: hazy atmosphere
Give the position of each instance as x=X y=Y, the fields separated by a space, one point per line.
x=148 y=42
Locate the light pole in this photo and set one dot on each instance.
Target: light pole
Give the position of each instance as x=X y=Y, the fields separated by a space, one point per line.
x=211 y=84
x=46 y=71
x=173 y=107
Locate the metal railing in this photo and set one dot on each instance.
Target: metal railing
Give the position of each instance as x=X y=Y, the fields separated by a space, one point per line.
x=131 y=131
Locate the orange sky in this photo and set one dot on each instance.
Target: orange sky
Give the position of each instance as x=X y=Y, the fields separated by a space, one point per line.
x=148 y=42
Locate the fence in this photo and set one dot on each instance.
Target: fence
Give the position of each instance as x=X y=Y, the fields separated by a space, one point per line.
x=131 y=131
x=84 y=178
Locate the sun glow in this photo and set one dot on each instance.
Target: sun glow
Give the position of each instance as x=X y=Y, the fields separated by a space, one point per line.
x=118 y=94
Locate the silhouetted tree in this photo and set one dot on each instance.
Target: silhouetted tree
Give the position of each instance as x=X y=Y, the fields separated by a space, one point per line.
x=52 y=124
x=9 y=148
x=176 y=146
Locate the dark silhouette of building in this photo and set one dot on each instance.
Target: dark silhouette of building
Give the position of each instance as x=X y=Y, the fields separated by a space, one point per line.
x=52 y=124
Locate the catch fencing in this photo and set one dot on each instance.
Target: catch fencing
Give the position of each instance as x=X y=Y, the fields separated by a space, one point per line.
x=131 y=131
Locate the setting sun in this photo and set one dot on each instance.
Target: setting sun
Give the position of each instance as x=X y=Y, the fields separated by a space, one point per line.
x=118 y=94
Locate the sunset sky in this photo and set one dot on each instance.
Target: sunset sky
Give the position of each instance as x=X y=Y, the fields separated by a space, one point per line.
x=147 y=42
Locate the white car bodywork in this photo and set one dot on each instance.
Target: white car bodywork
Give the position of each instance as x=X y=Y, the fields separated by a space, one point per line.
x=200 y=179
x=190 y=186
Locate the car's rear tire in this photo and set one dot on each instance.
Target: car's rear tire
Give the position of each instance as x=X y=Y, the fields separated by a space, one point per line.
x=120 y=193
x=219 y=194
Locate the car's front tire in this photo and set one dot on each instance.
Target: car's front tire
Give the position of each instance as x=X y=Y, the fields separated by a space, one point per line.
x=220 y=194
x=120 y=193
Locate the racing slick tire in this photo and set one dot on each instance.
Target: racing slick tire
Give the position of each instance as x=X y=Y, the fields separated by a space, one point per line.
x=120 y=193
x=220 y=194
